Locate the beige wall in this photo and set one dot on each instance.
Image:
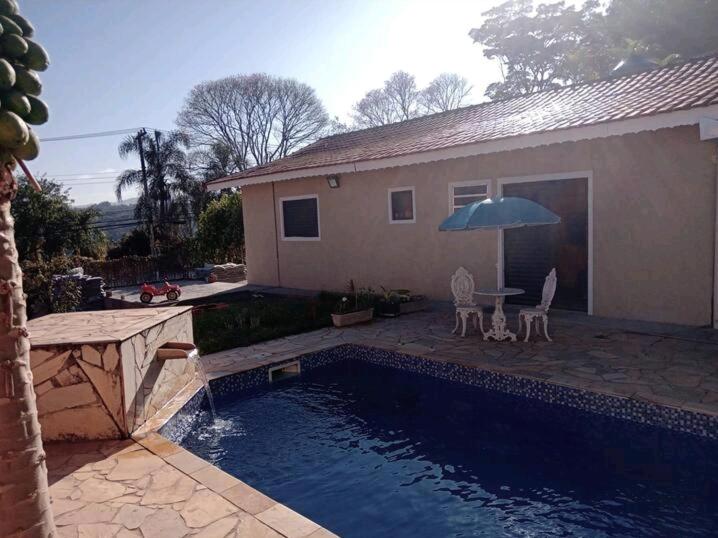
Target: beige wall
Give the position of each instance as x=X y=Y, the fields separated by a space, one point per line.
x=653 y=227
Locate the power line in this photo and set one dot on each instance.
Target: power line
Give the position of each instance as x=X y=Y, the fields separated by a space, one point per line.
x=98 y=134
x=85 y=179
x=110 y=226
x=99 y=172
x=89 y=183
x=87 y=135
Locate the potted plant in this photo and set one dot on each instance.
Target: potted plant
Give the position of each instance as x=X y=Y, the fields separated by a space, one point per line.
x=400 y=301
x=356 y=307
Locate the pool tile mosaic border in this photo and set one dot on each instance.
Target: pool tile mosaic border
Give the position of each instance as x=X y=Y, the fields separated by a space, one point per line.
x=613 y=406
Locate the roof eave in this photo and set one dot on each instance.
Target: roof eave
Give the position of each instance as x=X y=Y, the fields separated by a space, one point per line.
x=573 y=134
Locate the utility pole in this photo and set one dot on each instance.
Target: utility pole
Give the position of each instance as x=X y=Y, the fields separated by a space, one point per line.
x=160 y=172
x=148 y=209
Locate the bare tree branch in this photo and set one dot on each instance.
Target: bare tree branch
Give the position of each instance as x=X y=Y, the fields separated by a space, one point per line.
x=257 y=118
x=396 y=101
x=400 y=100
x=446 y=92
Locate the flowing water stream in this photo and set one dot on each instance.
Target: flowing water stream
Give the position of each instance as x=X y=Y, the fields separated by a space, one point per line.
x=194 y=358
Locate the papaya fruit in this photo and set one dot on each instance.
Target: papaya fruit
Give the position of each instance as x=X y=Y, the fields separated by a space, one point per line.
x=27 y=81
x=16 y=102
x=13 y=46
x=27 y=28
x=7 y=75
x=14 y=132
x=8 y=7
x=36 y=56
x=30 y=149
x=9 y=26
x=39 y=112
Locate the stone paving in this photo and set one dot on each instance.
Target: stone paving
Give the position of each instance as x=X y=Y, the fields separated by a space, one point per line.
x=155 y=489
x=663 y=364
x=97 y=327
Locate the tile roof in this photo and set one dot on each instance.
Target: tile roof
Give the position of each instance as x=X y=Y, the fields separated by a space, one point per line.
x=678 y=87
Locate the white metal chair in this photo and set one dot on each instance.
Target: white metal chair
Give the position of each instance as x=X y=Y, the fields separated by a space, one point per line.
x=540 y=312
x=462 y=286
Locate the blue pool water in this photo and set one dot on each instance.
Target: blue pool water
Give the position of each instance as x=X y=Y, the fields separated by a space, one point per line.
x=372 y=451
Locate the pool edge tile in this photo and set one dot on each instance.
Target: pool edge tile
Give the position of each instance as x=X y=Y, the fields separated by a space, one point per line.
x=288 y=522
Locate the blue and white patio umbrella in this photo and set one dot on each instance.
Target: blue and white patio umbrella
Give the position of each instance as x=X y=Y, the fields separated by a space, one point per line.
x=499 y=214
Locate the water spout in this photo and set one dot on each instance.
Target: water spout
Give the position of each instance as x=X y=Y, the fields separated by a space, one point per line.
x=188 y=351
x=194 y=358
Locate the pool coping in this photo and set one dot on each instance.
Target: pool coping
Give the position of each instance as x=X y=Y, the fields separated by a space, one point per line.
x=275 y=515
x=292 y=524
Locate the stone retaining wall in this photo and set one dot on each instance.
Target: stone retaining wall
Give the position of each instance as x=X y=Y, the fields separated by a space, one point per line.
x=107 y=390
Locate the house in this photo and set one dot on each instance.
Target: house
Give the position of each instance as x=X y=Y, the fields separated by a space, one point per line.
x=629 y=163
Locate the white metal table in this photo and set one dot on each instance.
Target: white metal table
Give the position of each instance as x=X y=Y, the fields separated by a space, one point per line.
x=498 y=319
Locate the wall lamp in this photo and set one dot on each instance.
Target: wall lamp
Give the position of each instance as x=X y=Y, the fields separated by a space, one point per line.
x=333 y=181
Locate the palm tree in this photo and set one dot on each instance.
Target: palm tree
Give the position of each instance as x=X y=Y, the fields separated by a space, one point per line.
x=169 y=184
x=214 y=162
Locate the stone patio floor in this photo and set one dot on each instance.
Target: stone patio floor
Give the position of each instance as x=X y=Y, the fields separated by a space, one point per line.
x=664 y=364
x=153 y=488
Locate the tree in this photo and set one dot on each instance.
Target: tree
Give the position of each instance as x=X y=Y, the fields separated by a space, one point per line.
x=336 y=126
x=531 y=47
x=258 y=117
x=555 y=44
x=398 y=100
x=665 y=28
x=170 y=184
x=213 y=162
x=133 y=243
x=446 y=92
x=25 y=506
x=47 y=225
x=220 y=233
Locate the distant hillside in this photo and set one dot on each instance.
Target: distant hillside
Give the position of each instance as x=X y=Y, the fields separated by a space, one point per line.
x=116 y=219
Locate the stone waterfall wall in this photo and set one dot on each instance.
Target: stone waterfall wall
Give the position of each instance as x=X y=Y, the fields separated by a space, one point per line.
x=79 y=391
x=106 y=391
x=150 y=383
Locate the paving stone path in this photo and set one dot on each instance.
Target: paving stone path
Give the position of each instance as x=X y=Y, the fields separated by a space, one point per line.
x=156 y=489
x=663 y=364
x=124 y=489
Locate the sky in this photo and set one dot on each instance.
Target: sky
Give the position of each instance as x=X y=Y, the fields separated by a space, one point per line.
x=129 y=64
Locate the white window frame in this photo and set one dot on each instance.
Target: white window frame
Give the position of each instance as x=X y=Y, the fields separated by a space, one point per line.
x=413 y=205
x=472 y=183
x=281 y=217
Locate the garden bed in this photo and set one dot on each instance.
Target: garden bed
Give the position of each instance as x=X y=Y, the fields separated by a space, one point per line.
x=252 y=318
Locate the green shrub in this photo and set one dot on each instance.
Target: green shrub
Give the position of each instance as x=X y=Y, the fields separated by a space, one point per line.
x=37 y=281
x=66 y=295
x=258 y=319
x=220 y=233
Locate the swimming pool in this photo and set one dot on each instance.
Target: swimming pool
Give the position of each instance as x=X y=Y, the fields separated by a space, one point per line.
x=367 y=449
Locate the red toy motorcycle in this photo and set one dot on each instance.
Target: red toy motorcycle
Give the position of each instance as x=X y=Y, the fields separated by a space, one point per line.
x=148 y=292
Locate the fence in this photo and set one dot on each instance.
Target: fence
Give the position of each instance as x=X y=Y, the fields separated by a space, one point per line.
x=134 y=270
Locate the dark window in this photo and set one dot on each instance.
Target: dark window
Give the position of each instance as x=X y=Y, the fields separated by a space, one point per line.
x=402 y=205
x=301 y=218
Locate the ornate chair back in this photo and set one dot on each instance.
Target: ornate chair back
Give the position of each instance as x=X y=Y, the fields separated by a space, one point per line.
x=549 y=290
x=462 y=286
